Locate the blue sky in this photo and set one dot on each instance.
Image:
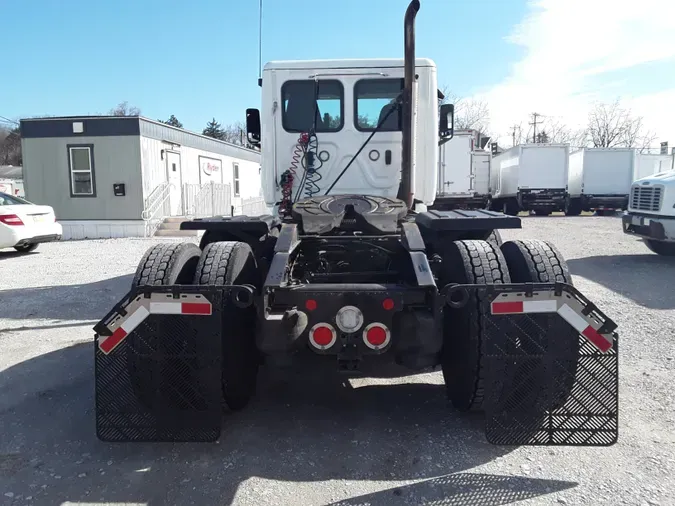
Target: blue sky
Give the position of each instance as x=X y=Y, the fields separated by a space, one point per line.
x=199 y=59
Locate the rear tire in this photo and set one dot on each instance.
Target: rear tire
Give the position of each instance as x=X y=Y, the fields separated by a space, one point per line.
x=162 y=264
x=495 y=238
x=661 y=247
x=233 y=263
x=572 y=207
x=511 y=207
x=27 y=248
x=462 y=355
x=535 y=261
x=541 y=212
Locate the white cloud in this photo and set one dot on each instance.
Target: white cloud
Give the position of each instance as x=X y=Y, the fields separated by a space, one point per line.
x=570 y=46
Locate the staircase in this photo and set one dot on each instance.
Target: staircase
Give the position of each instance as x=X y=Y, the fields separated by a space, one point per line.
x=170 y=227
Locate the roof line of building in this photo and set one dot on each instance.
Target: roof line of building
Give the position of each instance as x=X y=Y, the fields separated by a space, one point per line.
x=139 y=118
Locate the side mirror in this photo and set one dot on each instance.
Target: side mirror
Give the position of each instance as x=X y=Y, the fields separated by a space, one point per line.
x=253 y=126
x=446 y=121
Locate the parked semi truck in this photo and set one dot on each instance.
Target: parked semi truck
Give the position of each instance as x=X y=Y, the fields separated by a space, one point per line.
x=651 y=212
x=464 y=173
x=352 y=270
x=530 y=177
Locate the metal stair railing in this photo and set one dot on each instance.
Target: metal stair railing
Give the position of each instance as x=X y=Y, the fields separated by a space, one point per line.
x=156 y=208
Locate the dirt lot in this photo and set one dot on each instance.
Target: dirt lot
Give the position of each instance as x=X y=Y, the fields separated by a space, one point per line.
x=318 y=442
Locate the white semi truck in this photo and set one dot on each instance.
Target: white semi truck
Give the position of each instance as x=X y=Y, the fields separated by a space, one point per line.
x=530 y=177
x=463 y=173
x=651 y=212
x=352 y=271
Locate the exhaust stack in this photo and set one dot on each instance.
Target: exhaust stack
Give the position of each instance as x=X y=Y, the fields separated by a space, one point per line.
x=405 y=188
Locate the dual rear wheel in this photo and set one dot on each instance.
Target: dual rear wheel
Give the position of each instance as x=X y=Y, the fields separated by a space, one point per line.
x=463 y=356
x=219 y=264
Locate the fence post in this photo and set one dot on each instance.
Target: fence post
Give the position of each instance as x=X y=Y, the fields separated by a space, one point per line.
x=213 y=199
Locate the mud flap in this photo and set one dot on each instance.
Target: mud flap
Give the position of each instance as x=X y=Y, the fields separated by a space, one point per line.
x=551 y=364
x=158 y=357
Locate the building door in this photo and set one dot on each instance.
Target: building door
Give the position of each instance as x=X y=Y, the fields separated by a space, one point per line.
x=174 y=178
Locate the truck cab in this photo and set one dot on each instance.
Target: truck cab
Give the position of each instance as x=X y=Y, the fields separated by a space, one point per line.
x=323 y=116
x=651 y=212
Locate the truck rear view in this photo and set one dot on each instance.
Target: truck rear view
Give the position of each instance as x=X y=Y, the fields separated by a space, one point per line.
x=599 y=180
x=463 y=173
x=355 y=274
x=530 y=177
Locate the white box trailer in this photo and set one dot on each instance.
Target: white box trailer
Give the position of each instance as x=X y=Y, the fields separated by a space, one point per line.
x=599 y=179
x=530 y=177
x=463 y=175
x=648 y=164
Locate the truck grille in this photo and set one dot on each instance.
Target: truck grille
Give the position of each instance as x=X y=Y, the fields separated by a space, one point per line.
x=646 y=198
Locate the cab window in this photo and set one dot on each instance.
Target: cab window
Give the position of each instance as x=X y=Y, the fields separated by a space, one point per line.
x=373 y=100
x=312 y=105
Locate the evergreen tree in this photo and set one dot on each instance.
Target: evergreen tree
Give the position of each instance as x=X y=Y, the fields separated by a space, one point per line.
x=213 y=129
x=173 y=121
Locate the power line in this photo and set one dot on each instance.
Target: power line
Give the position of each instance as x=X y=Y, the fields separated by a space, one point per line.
x=7 y=120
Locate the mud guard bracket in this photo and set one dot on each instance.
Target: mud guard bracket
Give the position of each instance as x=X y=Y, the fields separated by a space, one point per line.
x=158 y=361
x=550 y=361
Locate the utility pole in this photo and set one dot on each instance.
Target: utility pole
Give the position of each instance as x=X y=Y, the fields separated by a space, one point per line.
x=514 y=128
x=535 y=115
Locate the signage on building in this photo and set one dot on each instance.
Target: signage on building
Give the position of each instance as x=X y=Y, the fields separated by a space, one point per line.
x=210 y=166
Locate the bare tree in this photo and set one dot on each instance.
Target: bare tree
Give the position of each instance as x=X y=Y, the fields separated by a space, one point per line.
x=10 y=146
x=611 y=125
x=470 y=113
x=559 y=133
x=124 y=109
x=235 y=133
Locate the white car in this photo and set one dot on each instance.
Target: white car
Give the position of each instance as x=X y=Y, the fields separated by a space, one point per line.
x=24 y=225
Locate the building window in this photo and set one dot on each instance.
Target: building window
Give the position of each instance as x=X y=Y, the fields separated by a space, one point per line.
x=81 y=170
x=235 y=178
x=309 y=104
x=373 y=100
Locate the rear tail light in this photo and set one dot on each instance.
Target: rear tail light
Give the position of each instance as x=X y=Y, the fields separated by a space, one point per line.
x=10 y=219
x=322 y=336
x=376 y=336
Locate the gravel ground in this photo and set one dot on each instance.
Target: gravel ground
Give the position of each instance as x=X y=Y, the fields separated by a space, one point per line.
x=373 y=442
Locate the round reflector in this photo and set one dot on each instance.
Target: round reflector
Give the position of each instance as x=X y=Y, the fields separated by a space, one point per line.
x=310 y=304
x=376 y=336
x=322 y=336
x=388 y=304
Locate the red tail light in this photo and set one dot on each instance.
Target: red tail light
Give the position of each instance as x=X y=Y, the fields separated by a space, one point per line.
x=10 y=219
x=376 y=336
x=322 y=336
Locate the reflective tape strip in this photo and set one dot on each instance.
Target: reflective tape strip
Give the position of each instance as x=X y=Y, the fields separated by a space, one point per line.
x=196 y=308
x=165 y=307
x=586 y=330
x=202 y=308
x=127 y=327
x=525 y=306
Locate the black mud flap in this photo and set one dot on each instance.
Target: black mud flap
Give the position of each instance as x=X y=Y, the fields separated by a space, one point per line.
x=158 y=364
x=551 y=364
